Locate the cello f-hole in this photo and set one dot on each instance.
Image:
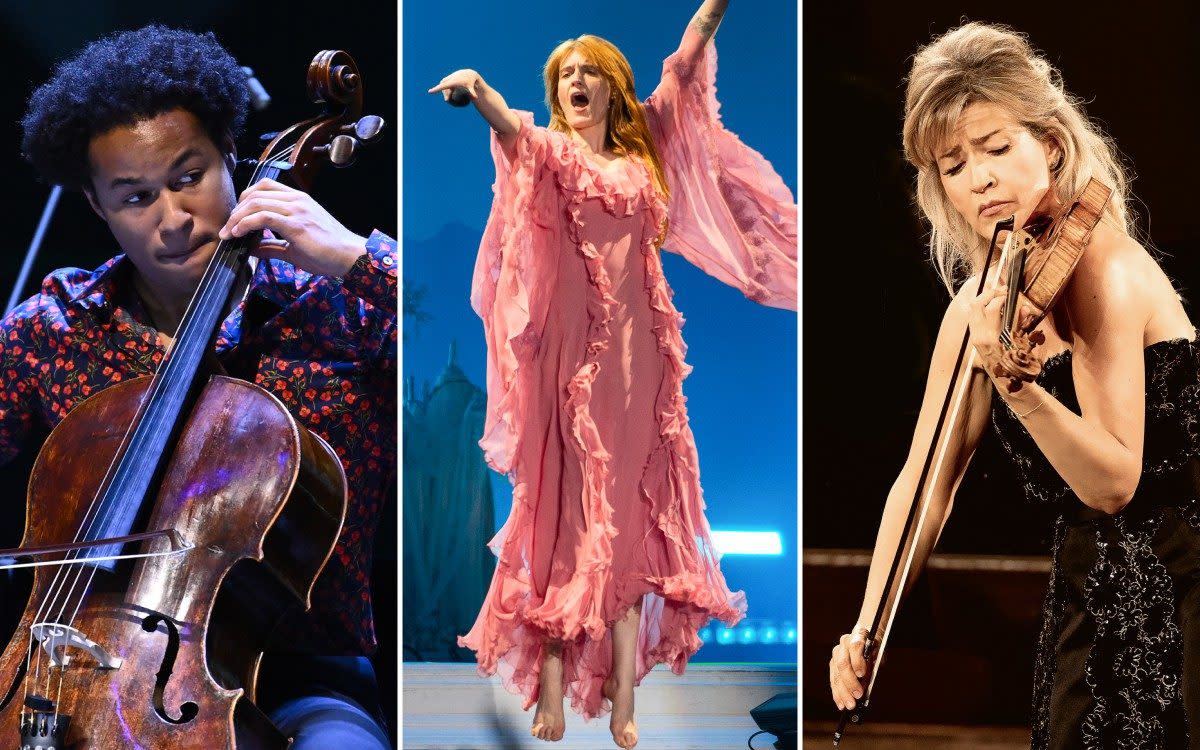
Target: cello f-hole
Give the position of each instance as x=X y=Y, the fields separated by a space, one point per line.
x=187 y=711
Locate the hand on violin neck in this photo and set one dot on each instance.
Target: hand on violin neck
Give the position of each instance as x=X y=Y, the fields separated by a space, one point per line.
x=296 y=228
x=1008 y=366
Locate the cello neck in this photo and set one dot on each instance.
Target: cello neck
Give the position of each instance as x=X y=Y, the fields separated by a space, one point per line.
x=175 y=385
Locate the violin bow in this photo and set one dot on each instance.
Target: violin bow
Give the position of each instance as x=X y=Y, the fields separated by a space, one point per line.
x=915 y=521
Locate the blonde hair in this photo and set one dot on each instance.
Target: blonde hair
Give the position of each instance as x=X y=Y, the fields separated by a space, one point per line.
x=628 y=134
x=985 y=63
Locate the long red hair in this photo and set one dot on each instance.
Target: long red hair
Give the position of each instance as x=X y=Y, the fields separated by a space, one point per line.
x=628 y=134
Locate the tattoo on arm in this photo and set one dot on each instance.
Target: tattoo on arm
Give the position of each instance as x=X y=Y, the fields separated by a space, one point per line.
x=705 y=23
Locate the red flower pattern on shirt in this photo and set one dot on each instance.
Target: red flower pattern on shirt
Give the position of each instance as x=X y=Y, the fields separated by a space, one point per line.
x=325 y=347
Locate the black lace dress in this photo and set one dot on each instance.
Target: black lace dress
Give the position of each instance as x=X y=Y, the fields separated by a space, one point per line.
x=1118 y=657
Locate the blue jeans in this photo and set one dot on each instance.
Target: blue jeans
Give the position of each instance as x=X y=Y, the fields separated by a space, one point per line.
x=323 y=701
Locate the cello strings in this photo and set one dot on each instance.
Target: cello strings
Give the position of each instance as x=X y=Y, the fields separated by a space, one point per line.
x=204 y=297
x=62 y=670
x=91 y=516
x=170 y=378
x=28 y=659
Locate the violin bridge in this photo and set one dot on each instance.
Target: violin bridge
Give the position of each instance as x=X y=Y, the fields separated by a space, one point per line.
x=55 y=639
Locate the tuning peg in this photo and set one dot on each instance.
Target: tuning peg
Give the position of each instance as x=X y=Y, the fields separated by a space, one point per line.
x=343 y=150
x=368 y=128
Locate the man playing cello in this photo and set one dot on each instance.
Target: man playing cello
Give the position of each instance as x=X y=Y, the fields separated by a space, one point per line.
x=143 y=123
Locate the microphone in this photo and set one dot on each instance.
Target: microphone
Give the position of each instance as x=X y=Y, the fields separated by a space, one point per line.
x=259 y=98
x=459 y=97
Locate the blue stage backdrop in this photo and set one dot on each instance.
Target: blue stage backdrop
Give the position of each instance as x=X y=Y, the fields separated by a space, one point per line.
x=742 y=394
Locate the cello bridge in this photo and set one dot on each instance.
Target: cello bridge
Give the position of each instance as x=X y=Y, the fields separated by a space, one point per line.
x=56 y=639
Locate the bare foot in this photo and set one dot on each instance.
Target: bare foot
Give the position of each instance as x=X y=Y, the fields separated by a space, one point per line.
x=548 y=721
x=622 y=724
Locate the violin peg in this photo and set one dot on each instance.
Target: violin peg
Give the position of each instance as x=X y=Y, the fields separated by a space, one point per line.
x=368 y=128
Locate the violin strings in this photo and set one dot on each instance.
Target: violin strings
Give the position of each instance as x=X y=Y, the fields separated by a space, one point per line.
x=202 y=296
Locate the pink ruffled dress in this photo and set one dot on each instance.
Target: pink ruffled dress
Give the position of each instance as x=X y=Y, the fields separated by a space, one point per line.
x=585 y=366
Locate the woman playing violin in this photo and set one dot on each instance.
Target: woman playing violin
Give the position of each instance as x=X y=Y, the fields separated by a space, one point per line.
x=143 y=123
x=1106 y=431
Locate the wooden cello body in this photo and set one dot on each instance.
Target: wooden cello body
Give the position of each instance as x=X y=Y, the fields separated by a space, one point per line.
x=245 y=483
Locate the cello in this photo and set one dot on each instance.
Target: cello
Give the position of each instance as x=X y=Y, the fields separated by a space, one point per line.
x=233 y=507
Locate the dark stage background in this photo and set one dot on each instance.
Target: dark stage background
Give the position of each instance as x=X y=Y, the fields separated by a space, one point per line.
x=872 y=301
x=277 y=40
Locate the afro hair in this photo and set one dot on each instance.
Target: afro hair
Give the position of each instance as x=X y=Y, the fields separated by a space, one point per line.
x=123 y=79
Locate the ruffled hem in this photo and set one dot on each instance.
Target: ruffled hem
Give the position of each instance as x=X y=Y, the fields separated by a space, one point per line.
x=678 y=606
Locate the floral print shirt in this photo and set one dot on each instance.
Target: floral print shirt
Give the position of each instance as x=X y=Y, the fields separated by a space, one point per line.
x=325 y=347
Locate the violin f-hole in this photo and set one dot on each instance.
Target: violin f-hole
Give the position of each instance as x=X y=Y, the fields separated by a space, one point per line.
x=187 y=711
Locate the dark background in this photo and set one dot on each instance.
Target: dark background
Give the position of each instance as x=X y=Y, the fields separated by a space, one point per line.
x=277 y=40
x=872 y=305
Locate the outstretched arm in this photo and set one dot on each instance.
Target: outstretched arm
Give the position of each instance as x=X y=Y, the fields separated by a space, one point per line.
x=488 y=101
x=704 y=24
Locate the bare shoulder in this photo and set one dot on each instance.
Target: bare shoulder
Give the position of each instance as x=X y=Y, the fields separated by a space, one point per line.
x=1117 y=276
x=1113 y=256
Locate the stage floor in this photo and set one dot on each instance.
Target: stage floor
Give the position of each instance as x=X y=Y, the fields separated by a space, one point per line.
x=819 y=735
x=449 y=707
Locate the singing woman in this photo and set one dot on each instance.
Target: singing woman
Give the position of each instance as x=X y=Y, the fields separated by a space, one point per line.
x=606 y=566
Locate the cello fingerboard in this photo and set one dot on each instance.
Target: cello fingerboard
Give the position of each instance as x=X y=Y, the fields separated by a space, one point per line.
x=140 y=458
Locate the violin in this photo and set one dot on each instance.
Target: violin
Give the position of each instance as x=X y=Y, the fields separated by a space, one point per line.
x=1044 y=254
x=174 y=519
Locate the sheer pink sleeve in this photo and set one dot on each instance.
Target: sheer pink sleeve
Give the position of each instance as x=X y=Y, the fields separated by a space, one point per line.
x=729 y=211
x=514 y=275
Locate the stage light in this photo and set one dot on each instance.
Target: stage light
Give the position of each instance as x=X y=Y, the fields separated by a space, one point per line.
x=768 y=634
x=747 y=635
x=705 y=635
x=725 y=636
x=789 y=633
x=748 y=542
